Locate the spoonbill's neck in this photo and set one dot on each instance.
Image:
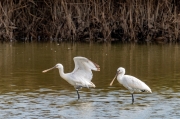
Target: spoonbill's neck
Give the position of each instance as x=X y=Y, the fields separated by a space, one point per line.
x=61 y=72
x=120 y=76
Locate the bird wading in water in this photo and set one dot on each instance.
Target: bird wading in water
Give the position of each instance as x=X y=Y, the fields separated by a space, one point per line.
x=82 y=74
x=132 y=83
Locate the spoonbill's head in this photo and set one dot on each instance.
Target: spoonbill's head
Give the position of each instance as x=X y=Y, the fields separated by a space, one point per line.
x=59 y=66
x=120 y=70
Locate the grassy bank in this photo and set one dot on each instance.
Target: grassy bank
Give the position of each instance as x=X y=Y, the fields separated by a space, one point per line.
x=90 y=20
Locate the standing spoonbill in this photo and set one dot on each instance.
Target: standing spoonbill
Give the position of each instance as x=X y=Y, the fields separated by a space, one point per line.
x=130 y=82
x=81 y=76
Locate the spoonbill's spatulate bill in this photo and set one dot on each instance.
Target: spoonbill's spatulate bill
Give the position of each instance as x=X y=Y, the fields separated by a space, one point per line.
x=130 y=82
x=81 y=76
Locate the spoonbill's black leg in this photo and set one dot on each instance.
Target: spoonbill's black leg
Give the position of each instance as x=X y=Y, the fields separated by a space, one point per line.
x=132 y=98
x=78 y=94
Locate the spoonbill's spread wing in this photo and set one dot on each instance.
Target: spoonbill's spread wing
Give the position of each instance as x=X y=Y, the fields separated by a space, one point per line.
x=83 y=67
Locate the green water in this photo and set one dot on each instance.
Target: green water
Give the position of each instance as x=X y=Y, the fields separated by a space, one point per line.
x=26 y=92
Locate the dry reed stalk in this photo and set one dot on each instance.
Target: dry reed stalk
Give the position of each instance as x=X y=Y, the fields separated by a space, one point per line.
x=88 y=20
x=177 y=29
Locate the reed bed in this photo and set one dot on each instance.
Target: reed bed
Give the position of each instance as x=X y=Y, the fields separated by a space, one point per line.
x=90 y=20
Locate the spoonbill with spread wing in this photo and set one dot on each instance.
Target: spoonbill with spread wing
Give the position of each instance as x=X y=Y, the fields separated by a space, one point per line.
x=81 y=76
x=130 y=82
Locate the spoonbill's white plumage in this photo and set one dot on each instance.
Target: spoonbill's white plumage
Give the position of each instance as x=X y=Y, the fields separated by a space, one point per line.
x=130 y=82
x=82 y=74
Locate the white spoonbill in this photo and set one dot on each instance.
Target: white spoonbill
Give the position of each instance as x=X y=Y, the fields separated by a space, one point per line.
x=81 y=76
x=130 y=82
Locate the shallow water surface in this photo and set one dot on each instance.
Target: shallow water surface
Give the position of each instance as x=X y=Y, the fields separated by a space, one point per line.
x=28 y=93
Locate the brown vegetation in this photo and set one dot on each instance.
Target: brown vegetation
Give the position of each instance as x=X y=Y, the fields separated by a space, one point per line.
x=89 y=20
